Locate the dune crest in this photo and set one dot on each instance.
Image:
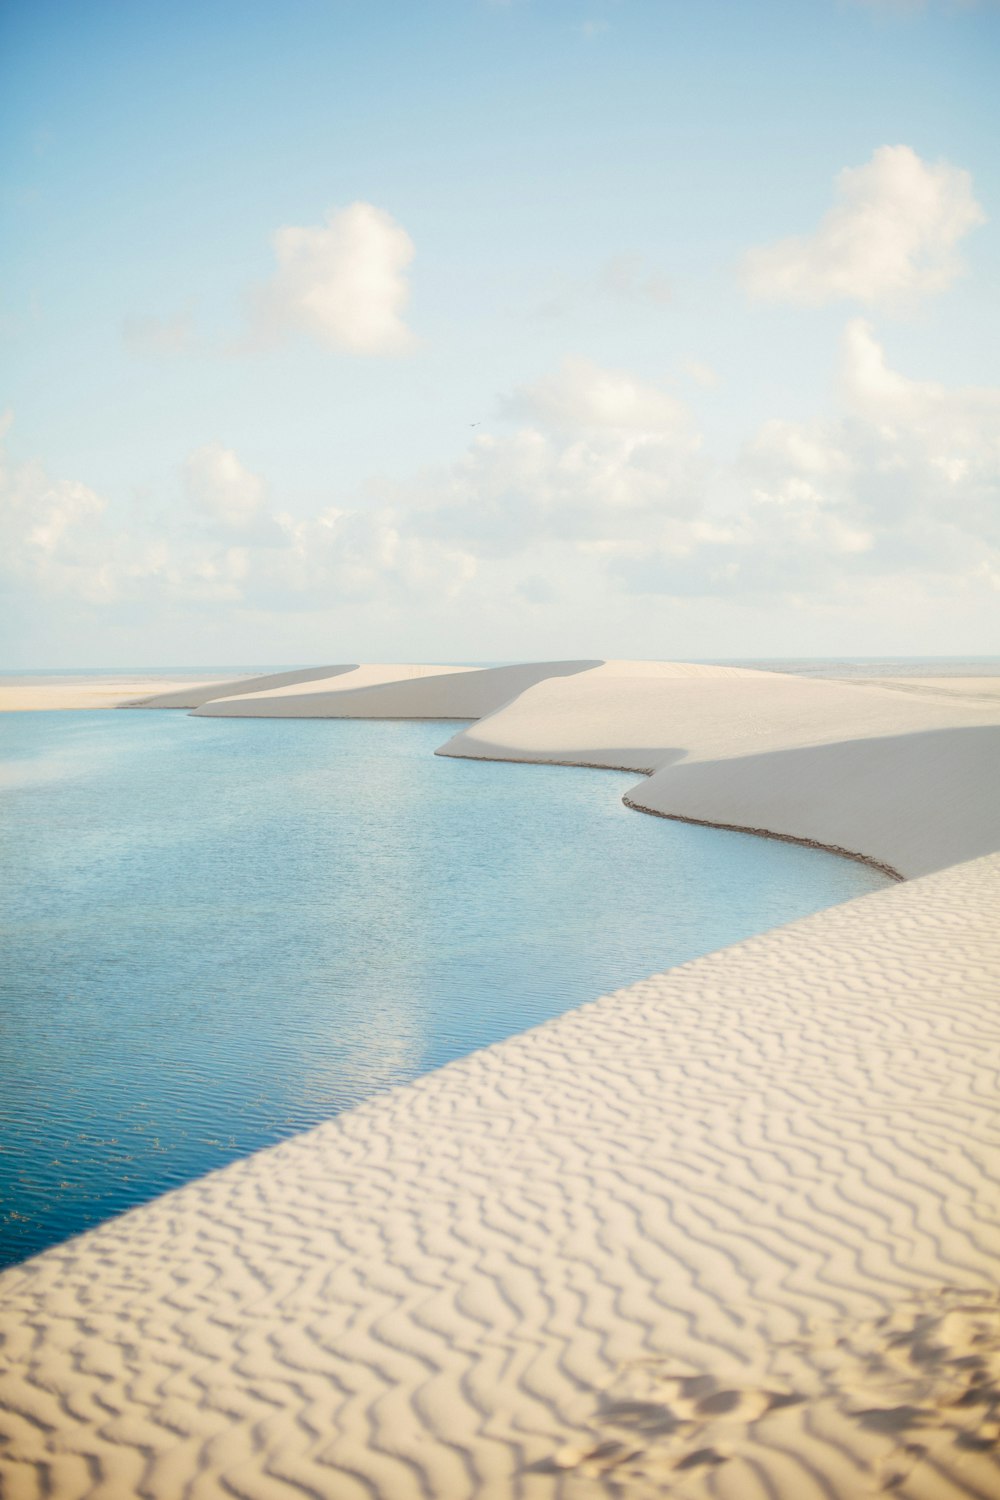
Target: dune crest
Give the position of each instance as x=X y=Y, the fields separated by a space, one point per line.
x=193 y=696
x=412 y=693
x=902 y=778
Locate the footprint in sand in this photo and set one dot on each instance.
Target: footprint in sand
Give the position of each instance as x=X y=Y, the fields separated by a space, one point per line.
x=919 y=1383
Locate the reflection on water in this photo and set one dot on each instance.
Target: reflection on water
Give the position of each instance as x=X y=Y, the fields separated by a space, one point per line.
x=221 y=932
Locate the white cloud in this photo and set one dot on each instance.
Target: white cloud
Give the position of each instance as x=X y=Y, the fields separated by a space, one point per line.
x=601 y=482
x=55 y=535
x=891 y=236
x=584 y=395
x=62 y=538
x=597 y=457
x=223 y=488
x=343 y=282
x=904 y=485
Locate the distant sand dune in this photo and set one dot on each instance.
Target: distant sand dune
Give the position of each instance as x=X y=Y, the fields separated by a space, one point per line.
x=731 y=1232
x=191 y=697
x=413 y=693
x=906 y=780
x=911 y=802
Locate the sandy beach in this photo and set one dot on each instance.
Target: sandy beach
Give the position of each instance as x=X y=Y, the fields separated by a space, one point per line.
x=150 y=690
x=87 y=692
x=732 y=1231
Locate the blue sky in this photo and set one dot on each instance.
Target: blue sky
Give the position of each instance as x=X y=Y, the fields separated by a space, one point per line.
x=267 y=265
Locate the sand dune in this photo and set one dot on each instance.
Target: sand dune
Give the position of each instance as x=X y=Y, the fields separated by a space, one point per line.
x=201 y=693
x=416 y=693
x=307 y=700
x=340 y=681
x=730 y=1232
x=912 y=803
x=904 y=779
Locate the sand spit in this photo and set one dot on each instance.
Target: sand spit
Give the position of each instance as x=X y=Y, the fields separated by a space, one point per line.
x=414 y=693
x=88 y=692
x=192 y=696
x=732 y=1232
x=904 y=779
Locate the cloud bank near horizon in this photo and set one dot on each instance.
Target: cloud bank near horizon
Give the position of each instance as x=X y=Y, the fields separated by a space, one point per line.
x=593 y=472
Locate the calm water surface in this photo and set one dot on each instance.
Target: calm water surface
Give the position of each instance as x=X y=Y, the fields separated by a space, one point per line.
x=218 y=933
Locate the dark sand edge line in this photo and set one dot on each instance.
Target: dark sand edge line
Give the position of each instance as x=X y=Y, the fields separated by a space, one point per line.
x=767 y=833
x=653 y=812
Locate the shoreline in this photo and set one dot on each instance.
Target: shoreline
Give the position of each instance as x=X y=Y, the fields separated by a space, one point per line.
x=655 y=812
x=680 y=1239
x=768 y=833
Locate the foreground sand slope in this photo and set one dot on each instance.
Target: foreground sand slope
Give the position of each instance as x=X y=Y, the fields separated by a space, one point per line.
x=190 y=697
x=416 y=693
x=730 y=1232
x=904 y=775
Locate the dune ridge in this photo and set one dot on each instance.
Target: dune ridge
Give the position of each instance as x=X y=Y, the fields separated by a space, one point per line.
x=731 y=1231
x=194 y=696
x=400 y=693
x=904 y=780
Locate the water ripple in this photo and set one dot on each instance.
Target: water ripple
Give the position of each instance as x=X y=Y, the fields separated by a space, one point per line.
x=220 y=933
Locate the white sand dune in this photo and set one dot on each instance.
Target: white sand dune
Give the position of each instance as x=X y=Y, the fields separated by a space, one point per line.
x=731 y=1232
x=397 y=692
x=341 y=680
x=191 y=697
x=906 y=779
x=308 y=700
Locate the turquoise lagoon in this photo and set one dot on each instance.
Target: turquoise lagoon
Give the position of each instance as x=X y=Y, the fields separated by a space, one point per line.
x=218 y=933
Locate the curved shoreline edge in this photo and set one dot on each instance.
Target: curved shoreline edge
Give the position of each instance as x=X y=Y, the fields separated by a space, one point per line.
x=732 y=1231
x=769 y=833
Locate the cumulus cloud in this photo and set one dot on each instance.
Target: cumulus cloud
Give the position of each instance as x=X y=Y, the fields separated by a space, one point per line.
x=891 y=236
x=597 y=476
x=222 y=488
x=597 y=456
x=904 y=484
x=583 y=395
x=55 y=534
x=61 y=537
x=343 y=282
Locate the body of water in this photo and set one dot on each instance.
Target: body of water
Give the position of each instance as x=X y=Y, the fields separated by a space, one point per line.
x=217 y=933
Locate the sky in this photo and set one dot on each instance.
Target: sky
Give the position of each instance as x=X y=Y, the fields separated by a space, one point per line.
x=472 y=330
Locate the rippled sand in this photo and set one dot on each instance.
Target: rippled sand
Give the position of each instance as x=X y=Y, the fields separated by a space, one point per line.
x=734 y=1229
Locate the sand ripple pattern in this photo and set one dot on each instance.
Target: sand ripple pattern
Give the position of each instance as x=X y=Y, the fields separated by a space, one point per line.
x=730 y=1232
